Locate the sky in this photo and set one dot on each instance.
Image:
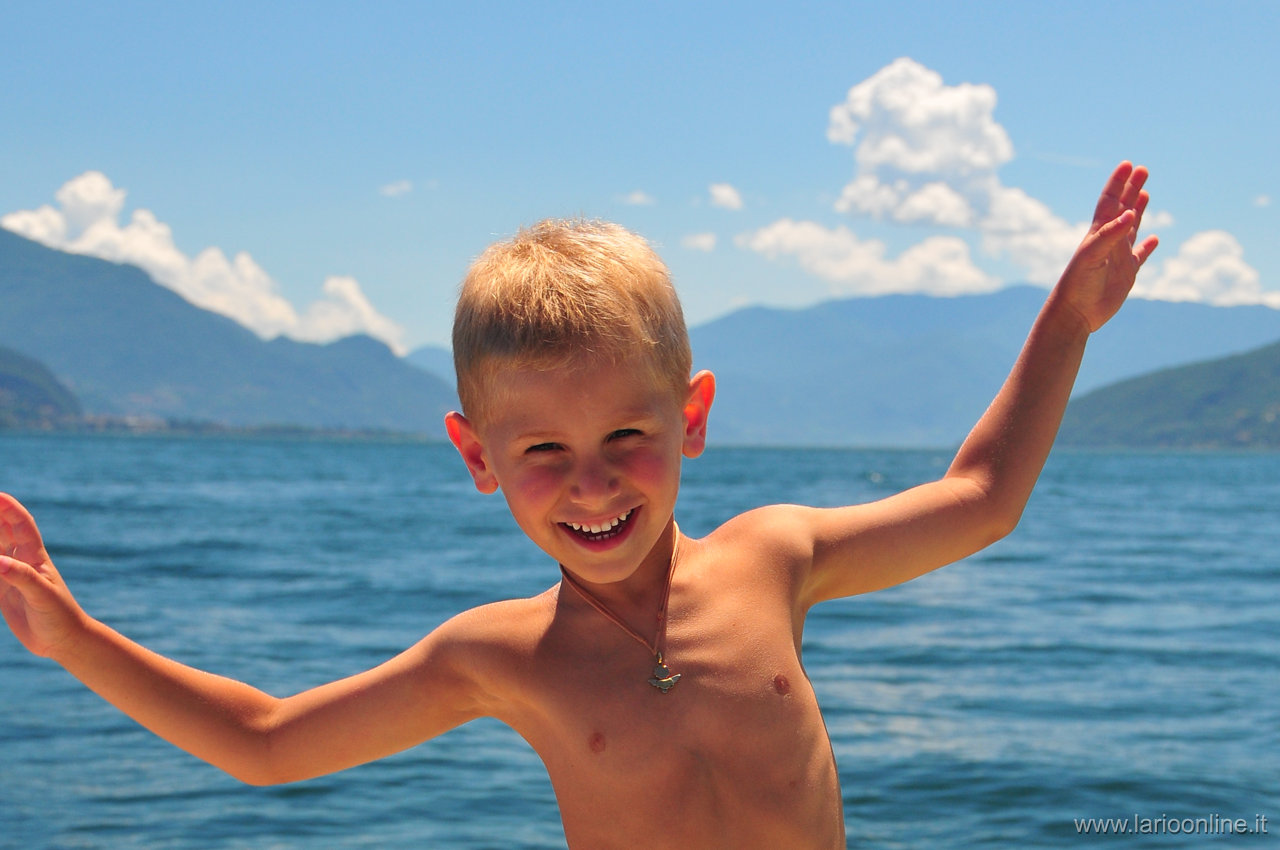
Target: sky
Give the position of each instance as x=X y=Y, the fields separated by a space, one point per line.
x=319 y=169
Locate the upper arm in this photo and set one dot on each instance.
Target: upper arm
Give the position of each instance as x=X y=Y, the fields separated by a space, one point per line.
x=439 y=683
x=871 y=546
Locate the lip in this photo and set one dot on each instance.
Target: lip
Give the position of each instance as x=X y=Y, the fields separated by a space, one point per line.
x=604 y=541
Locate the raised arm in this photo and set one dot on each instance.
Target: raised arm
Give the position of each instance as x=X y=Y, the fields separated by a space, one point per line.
x=983 y=493
x=251 y=735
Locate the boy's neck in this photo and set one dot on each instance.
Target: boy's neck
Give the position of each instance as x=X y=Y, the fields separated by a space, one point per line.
x=638 y=596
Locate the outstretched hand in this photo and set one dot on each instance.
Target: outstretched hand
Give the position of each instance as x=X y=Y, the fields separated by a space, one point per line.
x=34 y=599
x=1102 y=270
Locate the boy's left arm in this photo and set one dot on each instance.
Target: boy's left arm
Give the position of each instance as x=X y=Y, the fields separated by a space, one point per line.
x=981 y=497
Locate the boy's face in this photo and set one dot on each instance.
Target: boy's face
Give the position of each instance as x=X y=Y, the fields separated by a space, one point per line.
x=590 y=446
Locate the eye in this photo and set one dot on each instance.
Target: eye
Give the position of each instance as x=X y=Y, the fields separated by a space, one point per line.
x=622 y=433
x=542 y=447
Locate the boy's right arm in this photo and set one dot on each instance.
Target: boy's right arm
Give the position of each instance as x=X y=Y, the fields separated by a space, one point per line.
x=255 y=737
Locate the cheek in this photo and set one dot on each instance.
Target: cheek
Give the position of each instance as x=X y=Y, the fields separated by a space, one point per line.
x=534 y=484
x=652 y=467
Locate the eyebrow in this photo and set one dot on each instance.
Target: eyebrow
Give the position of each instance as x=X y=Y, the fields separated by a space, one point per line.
x=627 y=419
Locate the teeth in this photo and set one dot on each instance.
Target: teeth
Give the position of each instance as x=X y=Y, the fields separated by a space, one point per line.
x=608 y=525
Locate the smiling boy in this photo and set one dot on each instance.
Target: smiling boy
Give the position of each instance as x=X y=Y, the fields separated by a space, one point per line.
x=660 y=680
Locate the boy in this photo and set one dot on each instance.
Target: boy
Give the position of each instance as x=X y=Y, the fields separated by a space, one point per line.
x=660 y=680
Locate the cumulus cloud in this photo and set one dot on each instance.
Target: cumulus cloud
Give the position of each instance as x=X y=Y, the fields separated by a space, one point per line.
x=926 y=153
x=931 y=203
x=396 y=189
x=638 y=198
x=86 y=220
x=940 y=265
x=725 y=196
x=1209 y=267
x=909 y=121
x=705 y=242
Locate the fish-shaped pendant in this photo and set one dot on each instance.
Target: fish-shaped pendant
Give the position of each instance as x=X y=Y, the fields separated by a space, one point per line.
x=663 y=679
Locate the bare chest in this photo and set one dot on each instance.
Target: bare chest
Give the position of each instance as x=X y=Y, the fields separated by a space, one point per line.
x=736 y=747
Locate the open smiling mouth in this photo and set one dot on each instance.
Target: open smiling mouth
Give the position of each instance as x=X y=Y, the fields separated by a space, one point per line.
x=602 y=531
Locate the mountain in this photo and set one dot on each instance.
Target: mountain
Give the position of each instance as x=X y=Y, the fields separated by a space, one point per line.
x=1232 y=402
x=436 y=360
x=30 y=395
x=915 y=370
x=899 y=370
x=126 y=345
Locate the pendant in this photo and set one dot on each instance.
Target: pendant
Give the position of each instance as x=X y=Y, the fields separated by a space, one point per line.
x=663 y=679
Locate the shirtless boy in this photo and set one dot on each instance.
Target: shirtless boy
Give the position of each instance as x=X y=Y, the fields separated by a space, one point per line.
x=660 y=680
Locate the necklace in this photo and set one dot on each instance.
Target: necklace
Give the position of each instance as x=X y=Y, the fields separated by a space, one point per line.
x=662 y=679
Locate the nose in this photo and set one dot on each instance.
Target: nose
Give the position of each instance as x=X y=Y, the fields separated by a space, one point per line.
x=594 y=480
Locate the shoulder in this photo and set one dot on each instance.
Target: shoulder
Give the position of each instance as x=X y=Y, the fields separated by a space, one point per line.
x=509 y=627
x=780 y=530
x=490 y=646
x=766 y=545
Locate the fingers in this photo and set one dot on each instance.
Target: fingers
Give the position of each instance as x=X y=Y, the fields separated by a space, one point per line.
x=1123 y=191
x=17 y=527
x=1144 y=250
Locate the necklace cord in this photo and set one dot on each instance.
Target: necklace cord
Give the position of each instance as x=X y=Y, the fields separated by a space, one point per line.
x=660 y=636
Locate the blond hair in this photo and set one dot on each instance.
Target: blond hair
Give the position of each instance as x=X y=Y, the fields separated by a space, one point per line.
x=561 y=290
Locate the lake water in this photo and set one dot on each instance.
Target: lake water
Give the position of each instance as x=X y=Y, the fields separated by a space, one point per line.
x=1117 y=657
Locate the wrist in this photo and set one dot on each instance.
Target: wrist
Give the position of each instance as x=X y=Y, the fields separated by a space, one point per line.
x=74 y=648
x=1065 y=318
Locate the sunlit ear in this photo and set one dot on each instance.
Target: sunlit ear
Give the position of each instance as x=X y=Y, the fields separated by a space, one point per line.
x=702 y=391
x=465 y=439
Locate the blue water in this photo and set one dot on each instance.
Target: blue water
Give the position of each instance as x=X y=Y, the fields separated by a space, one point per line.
x=1119 y=655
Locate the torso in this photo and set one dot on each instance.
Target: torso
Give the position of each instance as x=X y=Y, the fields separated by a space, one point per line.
x=735 y=755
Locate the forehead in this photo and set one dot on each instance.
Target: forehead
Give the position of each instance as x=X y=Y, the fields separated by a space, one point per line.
x=584 y=392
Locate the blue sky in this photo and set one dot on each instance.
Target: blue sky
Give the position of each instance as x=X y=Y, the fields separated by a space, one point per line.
x=321 y=168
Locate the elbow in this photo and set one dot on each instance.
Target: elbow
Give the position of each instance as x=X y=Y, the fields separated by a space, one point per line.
x=990 y=517
x=1002 y=524
x=256 y=760
x=259 y=776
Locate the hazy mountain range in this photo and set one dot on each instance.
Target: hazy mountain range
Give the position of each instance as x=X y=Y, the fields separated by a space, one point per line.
x=904 y=370
x=127 y=346
x=915 y=370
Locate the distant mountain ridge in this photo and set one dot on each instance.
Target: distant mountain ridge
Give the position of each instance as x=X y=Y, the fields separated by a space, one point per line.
x=1232 y=402
x=915 y=370
x=126 y=345
x=900 y=370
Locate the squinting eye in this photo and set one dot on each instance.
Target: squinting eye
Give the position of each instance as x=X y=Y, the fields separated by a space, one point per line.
x=542 y=447
x=624 y=432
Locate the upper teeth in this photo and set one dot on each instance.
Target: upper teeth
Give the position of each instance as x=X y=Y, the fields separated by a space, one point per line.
x=605 y=526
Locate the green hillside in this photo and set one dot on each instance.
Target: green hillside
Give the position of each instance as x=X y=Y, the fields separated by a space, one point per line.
x=1233 y=402
x=30 y=395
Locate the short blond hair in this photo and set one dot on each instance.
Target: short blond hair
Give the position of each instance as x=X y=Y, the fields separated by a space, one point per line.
x=563 y=289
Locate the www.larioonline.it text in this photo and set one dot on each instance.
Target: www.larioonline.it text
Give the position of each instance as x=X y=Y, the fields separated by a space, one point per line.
x=1213 y=824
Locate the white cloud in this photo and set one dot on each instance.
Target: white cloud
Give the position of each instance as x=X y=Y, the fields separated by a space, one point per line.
x=932 y=203
x=705 y=242
x=926 y=153
x=1025 y=231
x=1208 y=267
x=638 y=198
x=940 y=265
x=86 y=221
x=725 y=196
x=911 y=123
x=396 y=189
